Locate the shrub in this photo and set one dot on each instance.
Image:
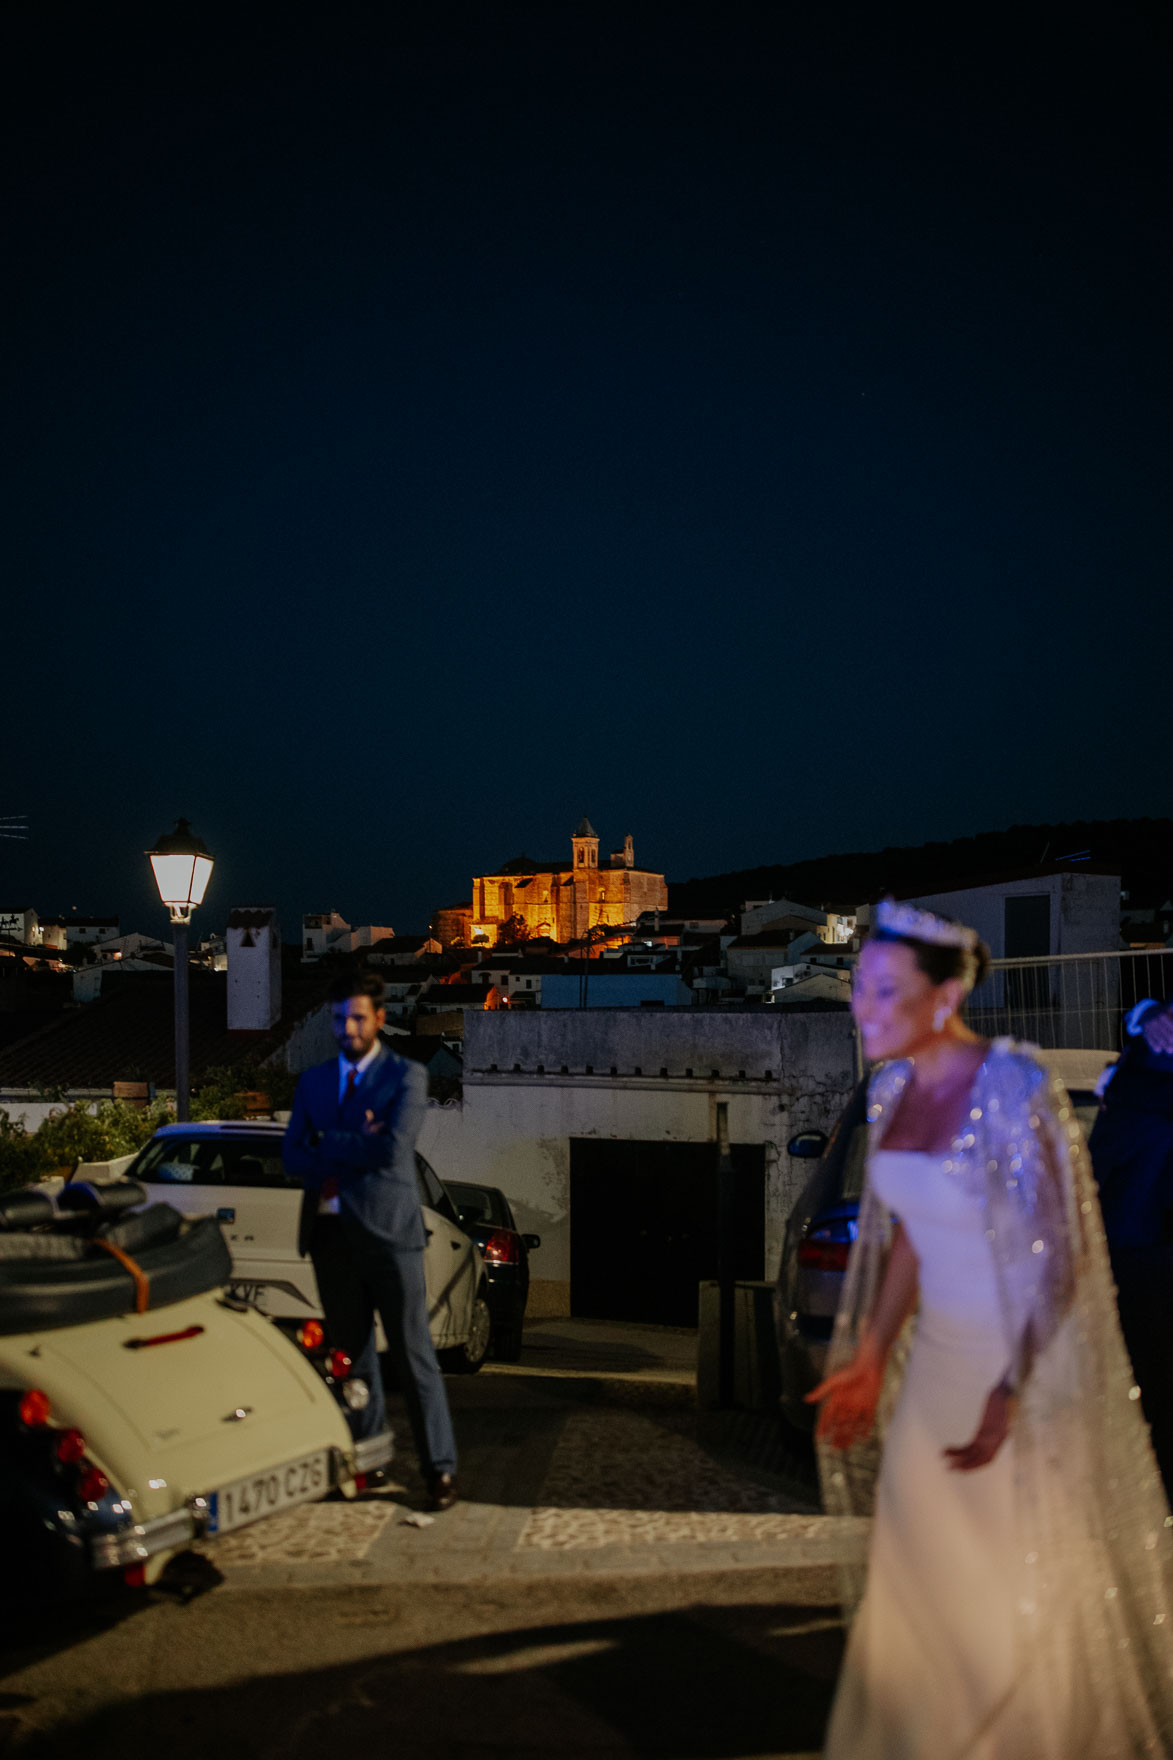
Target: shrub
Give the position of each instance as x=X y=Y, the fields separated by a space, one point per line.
x=75 y=1134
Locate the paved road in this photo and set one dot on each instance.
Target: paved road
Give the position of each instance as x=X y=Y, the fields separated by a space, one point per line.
x=607 y=1587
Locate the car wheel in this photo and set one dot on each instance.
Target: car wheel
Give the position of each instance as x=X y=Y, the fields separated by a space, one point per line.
x=466 y=1358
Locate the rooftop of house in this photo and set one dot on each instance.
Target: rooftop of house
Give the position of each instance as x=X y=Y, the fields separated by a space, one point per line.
x=1005 y=877
x=446 y=996
x=128 y=1034
x=422 y=1048
x=260 y=918
x=74 y=921
x=775 y=936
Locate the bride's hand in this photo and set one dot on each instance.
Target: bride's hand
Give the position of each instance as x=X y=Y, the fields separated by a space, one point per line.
x=991 y=1433
x=849 y=1399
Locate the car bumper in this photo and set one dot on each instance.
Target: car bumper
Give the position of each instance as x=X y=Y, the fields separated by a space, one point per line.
x=178 y=1528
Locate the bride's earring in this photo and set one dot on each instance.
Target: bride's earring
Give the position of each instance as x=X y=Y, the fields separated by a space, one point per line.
x=941 y=1016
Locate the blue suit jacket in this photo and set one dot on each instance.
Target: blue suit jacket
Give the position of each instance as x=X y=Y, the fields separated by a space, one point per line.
x=376 y=1175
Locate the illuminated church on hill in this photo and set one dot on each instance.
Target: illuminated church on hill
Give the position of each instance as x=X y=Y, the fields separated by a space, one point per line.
x=562 y=900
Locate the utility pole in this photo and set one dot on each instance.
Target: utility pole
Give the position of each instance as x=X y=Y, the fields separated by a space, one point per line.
x=725 y=1287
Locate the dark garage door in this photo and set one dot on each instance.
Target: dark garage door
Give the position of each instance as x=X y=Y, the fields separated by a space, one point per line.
x=643 y=1226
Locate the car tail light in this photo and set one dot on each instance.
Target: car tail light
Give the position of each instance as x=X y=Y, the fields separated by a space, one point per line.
x=340 y=1365
x=827 y=1248
x=502 y=1248
x=71 y=1445
x=311 y=1336
x=92 y=1485
x=34 y=1409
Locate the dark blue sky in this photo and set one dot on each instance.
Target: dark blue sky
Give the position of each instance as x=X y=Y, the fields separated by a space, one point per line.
x=746 y=424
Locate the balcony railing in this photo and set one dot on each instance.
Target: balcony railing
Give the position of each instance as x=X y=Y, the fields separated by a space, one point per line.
x=1073 y=1001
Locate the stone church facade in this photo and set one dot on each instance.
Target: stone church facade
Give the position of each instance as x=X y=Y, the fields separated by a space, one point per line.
x=562 y=900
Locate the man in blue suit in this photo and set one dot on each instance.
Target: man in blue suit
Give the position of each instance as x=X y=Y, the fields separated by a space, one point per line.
x=351 y=1141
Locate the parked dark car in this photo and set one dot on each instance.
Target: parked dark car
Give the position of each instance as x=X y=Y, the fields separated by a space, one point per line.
x=485 y=1214
x=819 y=1234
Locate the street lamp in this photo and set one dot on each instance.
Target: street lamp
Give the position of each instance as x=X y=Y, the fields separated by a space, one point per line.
x=182 y=868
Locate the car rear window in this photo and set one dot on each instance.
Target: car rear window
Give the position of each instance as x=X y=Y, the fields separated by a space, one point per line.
x=481 y=1203
x=216 y=1161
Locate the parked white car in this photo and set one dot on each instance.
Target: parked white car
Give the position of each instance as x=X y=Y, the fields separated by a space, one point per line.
x=140 y=1407
x=232 y=1169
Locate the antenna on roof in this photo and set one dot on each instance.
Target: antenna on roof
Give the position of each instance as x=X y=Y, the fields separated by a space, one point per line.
x=14 y=826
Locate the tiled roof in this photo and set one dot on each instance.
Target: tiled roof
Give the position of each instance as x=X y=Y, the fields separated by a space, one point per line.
x=526 y=865
x=420 y=1047
x=128 y=1034
x=768 y=938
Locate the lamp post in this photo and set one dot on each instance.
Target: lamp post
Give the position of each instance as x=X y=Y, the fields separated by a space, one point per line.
x=182 y=868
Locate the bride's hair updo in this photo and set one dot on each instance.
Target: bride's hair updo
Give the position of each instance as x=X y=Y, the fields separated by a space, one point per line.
x=943 y=949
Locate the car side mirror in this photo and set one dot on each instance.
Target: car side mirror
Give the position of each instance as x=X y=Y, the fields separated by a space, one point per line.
x=807 y=1145
x=532 y=1241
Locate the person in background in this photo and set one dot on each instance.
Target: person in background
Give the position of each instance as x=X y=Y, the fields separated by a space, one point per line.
x=1132 y=1154
x=351 y=1140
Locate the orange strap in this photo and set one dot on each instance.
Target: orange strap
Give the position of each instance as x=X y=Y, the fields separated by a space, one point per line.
x=142 y=1283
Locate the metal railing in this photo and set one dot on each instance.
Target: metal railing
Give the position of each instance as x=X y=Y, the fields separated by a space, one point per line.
x=1072 y=1000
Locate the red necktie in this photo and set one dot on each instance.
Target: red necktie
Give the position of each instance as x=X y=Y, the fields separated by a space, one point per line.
x=330 y=1183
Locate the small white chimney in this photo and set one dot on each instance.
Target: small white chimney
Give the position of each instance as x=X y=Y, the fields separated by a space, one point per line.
x=254 y=969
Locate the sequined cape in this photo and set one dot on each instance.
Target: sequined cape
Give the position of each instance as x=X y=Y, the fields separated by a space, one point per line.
x=1095 y=1597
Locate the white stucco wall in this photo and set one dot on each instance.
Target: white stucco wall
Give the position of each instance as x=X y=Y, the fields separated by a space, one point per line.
x=515 y=1126
x=1085 y=910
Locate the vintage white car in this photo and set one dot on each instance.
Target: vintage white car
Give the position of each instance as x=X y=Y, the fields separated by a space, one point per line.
x=141 y=1406
x=232 y=1169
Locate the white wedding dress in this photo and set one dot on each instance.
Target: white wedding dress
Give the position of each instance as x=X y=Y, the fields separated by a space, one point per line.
x=1024 y=1610
x=932 y=1671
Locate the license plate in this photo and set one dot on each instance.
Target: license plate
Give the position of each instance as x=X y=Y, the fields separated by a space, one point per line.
x=247 y=1292
x=263 y=1494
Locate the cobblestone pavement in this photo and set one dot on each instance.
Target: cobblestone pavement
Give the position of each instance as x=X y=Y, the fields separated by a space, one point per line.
x=582 y=1458
x=610 y=1587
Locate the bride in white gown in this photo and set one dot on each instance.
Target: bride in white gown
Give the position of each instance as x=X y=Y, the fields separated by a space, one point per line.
x=1017 y=1602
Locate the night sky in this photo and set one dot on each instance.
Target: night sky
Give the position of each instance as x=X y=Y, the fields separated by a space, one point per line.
x=745 y=424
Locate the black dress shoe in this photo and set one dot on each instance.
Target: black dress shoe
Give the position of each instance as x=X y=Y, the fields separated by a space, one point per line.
x=442 y=1492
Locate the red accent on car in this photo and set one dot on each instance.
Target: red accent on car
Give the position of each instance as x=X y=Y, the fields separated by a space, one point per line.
x=502 y=1248
x=139 y=1344
x=360 y=1481
x=34 y=1409
x=816 y=1255
x=92 y=1485
x=340 y=1365
x=71 y=1445
x=310 y=1336
x=135 y=1576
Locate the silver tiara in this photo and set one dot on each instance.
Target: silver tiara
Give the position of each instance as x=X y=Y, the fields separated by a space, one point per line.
x=913 y=924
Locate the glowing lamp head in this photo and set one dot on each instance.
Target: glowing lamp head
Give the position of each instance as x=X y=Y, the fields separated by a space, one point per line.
x=182 y=868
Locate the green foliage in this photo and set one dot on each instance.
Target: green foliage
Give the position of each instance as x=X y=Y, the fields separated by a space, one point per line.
x=72 y=1133
x=220 y=1093
x=514 y=932
x=75 y=1134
